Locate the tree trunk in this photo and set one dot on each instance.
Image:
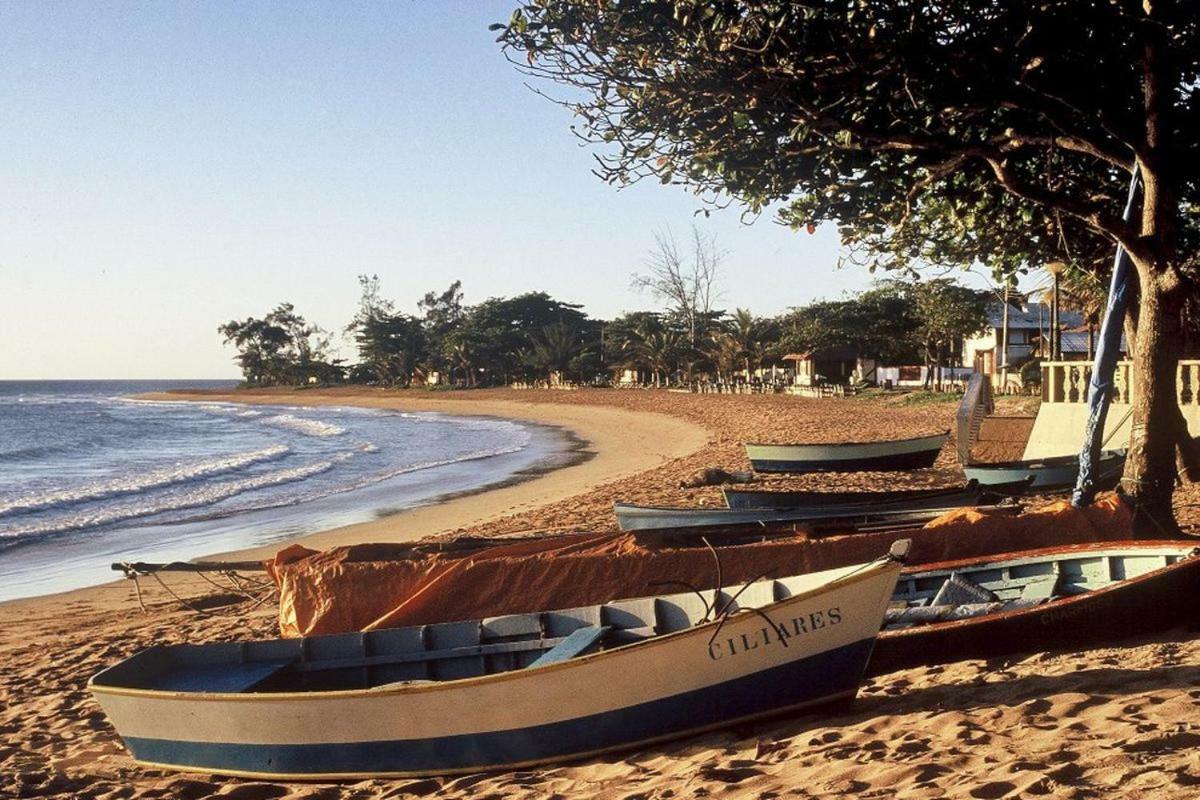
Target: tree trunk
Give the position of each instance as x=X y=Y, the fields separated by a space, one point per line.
x=1158 y=425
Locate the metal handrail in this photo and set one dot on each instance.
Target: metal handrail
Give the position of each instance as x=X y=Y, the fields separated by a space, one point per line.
x=976 y=404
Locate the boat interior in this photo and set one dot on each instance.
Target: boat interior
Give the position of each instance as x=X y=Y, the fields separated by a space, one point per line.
x=1011 y=584
x=444 y=651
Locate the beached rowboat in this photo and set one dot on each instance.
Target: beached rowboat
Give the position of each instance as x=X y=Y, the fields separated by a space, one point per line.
x=632 y=517
x=897 y=454
x=970 y=494
x=1054 y=474
x=502 y=692
x=1043 y=599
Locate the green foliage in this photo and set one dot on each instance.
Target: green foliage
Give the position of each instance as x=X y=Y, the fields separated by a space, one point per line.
x=390 y=345
x=951 y=133
x=442 y=313
x=559 y=348
x=946 y=313
x=534 y=337
x=493 y=338
x=281 y=349
x=879 y=323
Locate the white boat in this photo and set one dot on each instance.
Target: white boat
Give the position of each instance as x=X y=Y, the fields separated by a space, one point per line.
x=503 y=692
x=885 y=456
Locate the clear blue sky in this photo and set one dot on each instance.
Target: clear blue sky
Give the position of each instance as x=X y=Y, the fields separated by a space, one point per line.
x=169 y=166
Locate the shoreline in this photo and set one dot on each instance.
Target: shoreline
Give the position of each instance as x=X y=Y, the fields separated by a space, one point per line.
x=1092 y=721
x=613 y=440
x=601 y=445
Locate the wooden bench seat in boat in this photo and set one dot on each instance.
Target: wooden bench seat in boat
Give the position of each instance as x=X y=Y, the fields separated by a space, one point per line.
x=576 y=644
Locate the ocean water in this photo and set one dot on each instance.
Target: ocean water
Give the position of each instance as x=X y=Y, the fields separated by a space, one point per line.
x=90 y=475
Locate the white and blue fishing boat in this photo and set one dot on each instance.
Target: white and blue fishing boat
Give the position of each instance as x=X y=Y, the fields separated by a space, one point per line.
x=503 y=692
x=1055 y=474
x=884 y=456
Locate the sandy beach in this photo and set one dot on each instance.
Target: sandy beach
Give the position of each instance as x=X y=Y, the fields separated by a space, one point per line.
x=1116 y=721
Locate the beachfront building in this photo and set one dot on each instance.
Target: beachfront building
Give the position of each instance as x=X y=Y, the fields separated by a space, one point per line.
x=829 y=370
x=828 y=365
x=1028 y=338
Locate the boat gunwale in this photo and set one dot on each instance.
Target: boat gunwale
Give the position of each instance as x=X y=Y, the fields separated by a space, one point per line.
x=866 y=571
x=1192 y=560
x=944 y=435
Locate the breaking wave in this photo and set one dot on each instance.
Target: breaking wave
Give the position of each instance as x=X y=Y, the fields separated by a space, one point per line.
x=308 y=427
x=138 y=483
x=194 y=497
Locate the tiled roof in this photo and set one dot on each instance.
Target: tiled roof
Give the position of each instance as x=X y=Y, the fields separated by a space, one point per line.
x=1031 y=315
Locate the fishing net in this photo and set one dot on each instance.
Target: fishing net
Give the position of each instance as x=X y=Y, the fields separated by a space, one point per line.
x=371 y=586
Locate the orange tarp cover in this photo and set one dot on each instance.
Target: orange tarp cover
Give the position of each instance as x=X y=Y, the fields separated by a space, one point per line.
x=364 y=587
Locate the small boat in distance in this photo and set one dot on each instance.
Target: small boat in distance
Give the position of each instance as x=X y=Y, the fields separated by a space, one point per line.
x=502 y=692
x=1064 y=596
x=885 y=456
x=970 y=494
x=1054 y=474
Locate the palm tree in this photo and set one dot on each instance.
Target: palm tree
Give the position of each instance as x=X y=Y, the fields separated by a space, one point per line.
x=726 y=351
x=660 y=352
x=557 y=348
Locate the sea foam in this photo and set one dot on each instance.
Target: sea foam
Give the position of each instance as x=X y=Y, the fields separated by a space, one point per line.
x=138 y=482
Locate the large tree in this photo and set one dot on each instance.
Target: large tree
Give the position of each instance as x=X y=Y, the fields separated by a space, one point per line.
x=443 y=312
x=390 y=344
x=492 y=339
x=885 y=116
x=685 y=278
x=281 y=348
x=945 y=314
x=879 y=323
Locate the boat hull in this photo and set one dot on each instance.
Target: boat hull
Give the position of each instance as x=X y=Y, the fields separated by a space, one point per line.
x=889 y=456
x=649 y=518
x=1046 y=475
x=903 y=499
x=814 y=652
x=1155 y=601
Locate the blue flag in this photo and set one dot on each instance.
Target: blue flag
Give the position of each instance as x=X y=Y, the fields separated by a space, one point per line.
x=1108 y=350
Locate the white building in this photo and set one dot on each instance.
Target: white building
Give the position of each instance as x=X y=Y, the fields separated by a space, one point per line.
x=1028 y=328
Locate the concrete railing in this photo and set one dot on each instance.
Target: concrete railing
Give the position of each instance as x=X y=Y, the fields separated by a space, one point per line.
x=1067 y=382
x=1058 y=429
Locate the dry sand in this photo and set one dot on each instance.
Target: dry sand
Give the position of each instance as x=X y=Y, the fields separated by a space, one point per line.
x=1120 y=722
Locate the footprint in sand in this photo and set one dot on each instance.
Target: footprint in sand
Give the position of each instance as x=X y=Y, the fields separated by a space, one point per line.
x=846 y=788
x=730 y=774
x=927 y=773
x=1172 y=742
x=993 y=790
x=913 y=747
x=828 y=737
x=1036 y=707
x=190 y=789
x=1069 y=774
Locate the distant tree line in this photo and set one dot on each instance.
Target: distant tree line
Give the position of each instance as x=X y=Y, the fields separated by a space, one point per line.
x=535 y=338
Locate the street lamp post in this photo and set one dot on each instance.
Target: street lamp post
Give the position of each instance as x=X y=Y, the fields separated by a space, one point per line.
x=1055 y=268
